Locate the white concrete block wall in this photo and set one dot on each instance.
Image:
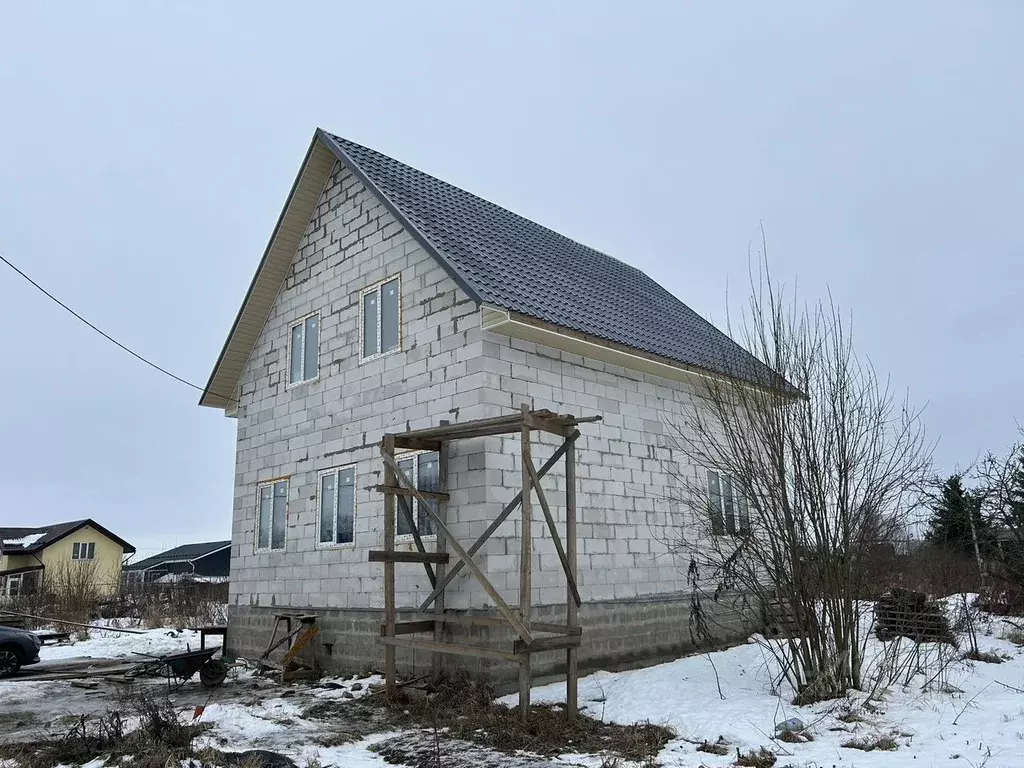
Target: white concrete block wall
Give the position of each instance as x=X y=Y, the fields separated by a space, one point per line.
x=447 y=369
x=629 y=529
x=351 y=243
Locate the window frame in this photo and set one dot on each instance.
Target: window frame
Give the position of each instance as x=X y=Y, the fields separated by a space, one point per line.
x=319 y=501
x=378 y=289
x=83 y=551
x=399 y=458
x=287 y=502
x=9 y=581
x=737 y=508
x=301 y=323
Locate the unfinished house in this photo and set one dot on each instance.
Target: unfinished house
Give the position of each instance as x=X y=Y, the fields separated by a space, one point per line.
x=394 y=311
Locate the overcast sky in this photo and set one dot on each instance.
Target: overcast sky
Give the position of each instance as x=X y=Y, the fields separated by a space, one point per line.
x=146 y=150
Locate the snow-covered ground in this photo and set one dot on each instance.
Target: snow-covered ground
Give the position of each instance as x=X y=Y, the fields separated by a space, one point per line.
x=107 y=644
x=971 y=714
x=969 y=718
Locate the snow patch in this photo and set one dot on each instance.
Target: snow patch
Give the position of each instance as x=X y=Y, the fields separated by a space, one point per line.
x=24 y=541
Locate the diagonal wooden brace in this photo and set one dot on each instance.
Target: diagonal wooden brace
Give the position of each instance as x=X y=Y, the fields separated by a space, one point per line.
x=506 y=611
x=406 y=507
x=501 y=518
x=554 y=533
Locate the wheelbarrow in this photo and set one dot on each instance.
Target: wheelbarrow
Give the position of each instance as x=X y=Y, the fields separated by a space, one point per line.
x=179 y=667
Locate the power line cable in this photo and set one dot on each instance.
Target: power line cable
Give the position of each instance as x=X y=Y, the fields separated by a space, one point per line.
x=103 y=333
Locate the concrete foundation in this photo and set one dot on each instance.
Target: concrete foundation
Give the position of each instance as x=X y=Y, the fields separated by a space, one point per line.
x=617 y=634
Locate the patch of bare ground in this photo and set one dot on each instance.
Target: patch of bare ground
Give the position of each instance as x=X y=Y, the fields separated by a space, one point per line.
x=464 y=710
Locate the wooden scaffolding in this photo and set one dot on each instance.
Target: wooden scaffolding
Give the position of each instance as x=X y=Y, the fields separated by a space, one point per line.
x=398 y=485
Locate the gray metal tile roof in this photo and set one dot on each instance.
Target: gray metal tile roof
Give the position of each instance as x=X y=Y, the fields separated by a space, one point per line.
x=183 y=552
x=503 y=259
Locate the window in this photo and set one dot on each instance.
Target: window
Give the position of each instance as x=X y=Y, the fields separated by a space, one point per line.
x=83 y=550
x=337 y=497
x=12 y=585
x=273 y=506
x=382 y=311
x=304 y=351
x=727 y=506
x=423 y=470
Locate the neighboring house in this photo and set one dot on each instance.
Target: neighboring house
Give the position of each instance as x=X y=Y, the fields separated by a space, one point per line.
x=209 y=561
x=27 y=554
x=389 y=300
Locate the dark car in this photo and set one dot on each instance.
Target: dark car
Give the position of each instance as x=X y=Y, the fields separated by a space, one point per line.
x=18 y=648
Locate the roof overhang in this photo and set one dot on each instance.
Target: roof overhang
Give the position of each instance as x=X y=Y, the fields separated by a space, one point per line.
x=527 y=328
x=270 y=275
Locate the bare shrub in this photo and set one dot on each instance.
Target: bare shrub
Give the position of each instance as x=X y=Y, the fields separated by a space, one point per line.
x=148 y=731
x=937 y=571
x=176 y=604
x=73 y=589
x=793 y=482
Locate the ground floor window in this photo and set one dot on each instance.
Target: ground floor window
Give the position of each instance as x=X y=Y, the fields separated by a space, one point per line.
x=271 y=514
x=337 y=499
x=11 y=586
x=423 y=469
x=727 y=505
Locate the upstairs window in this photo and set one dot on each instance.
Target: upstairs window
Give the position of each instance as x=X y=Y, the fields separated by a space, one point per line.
x=83 y=550
x=382 y=309
x=271 y=513
x=304 y=350
x=727 y=506
x=337 y=497
x=423 y=470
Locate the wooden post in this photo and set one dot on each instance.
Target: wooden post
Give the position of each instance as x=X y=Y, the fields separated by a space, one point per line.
x=571 y=610
x=388 y=449
x=525 y=563
x=442 y=544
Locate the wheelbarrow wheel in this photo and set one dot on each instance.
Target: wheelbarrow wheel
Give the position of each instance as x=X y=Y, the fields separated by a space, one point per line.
x=213 y=673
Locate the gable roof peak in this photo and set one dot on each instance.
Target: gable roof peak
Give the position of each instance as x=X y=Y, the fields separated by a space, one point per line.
x=498 y=258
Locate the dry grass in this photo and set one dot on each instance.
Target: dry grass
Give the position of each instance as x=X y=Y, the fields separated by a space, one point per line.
x=985 y=656
x=850 y=716
x=465 y=709
x=1015 y=636
x=718 y=748
x=883 y=742
x=795 y=737
x=159 y=737
x=762 y=758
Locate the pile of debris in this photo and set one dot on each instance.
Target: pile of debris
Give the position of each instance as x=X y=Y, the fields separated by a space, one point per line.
x=905 y=613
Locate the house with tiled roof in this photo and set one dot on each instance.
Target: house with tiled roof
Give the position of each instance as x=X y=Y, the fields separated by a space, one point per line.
x=207 y=561
x=388 y=300
x=83 y=547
